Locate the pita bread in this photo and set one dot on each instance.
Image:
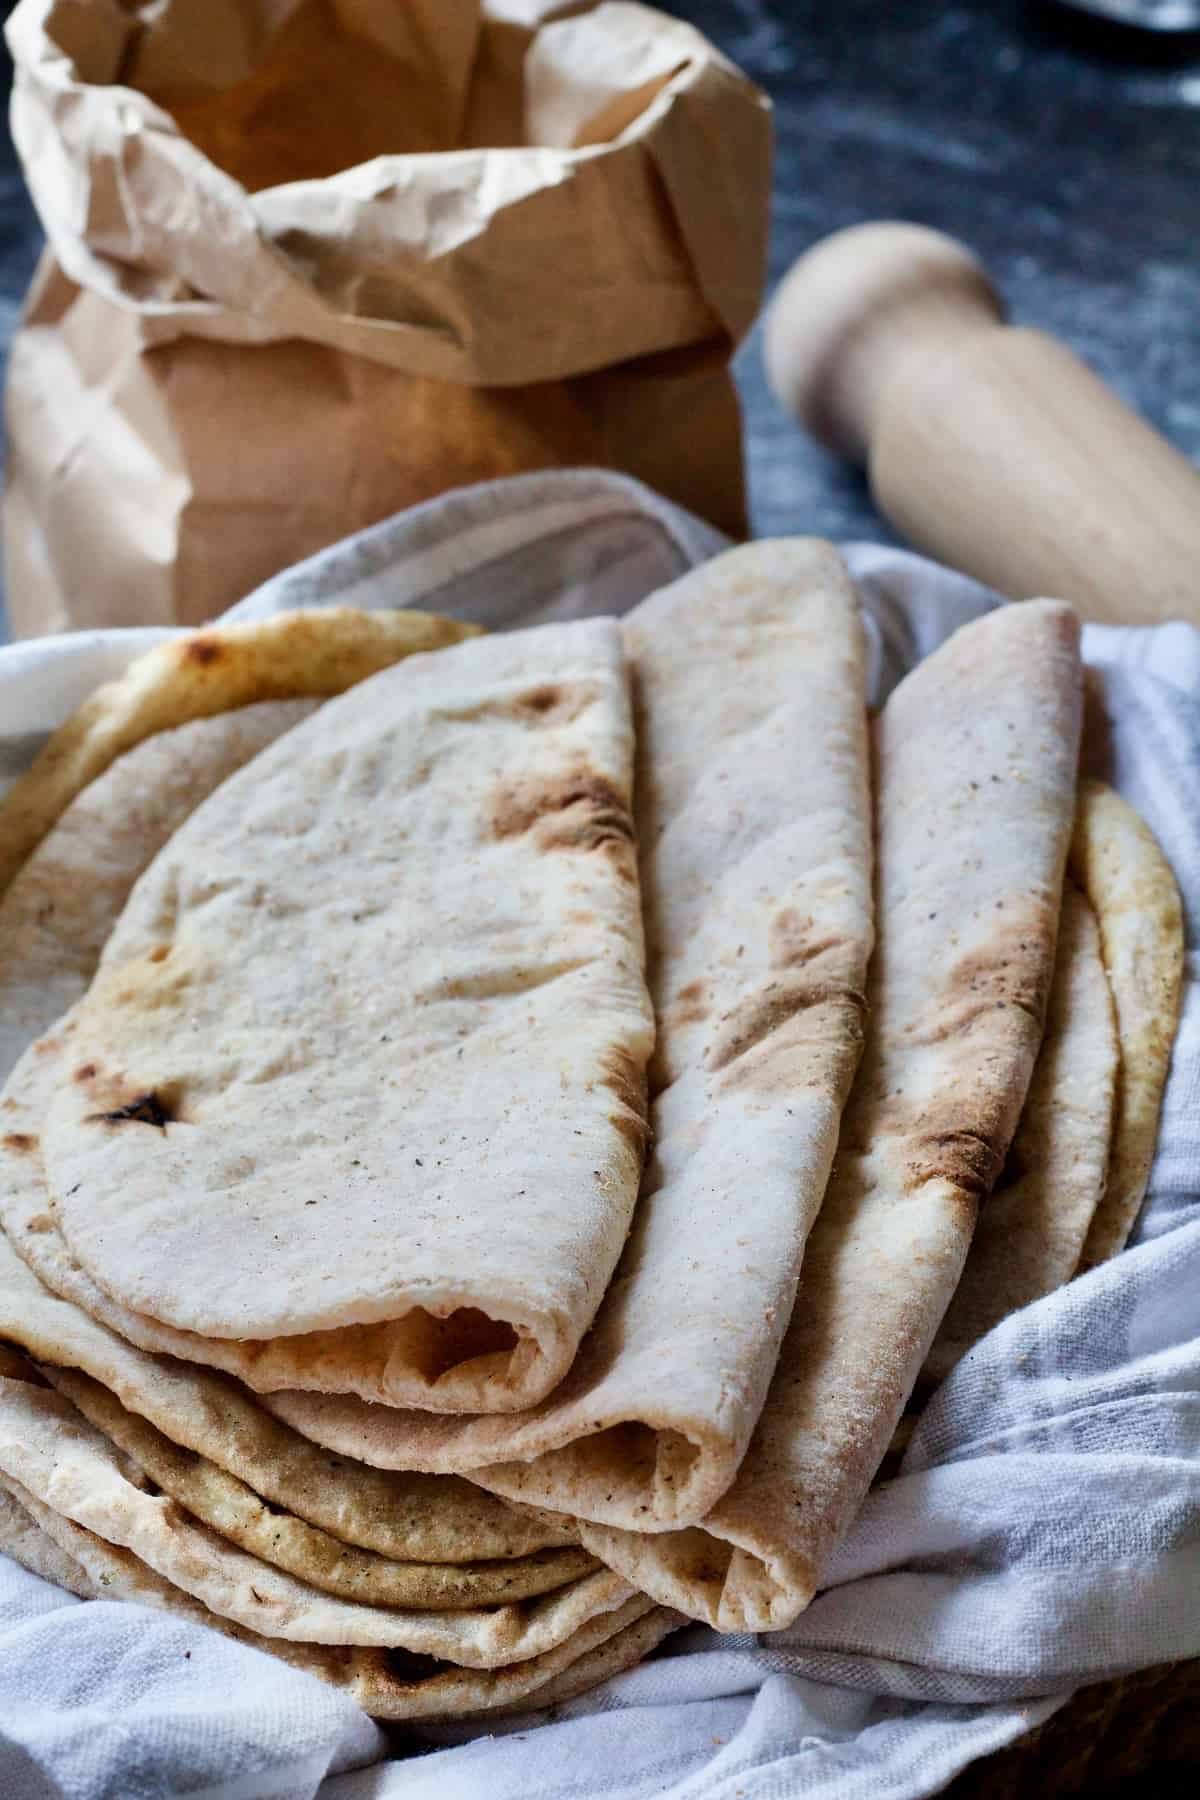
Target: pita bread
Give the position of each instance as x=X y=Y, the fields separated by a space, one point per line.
x=391 y=1685
x=278 y=1536
x=54 y=921
x=192 y=677
x=624 y=1651
x=975 y=790
x=490 y=907
x=405 y=1518
x=57 y=913
x=754 y=819
x=47 y=1446
x=1118 y=864
x=1033 y=1227
x=26 y=1542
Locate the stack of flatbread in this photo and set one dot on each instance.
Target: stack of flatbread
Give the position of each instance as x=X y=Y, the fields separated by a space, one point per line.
x=495 y=1128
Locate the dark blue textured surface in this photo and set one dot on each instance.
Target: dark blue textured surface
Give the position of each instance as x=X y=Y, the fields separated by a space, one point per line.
x=1068 y=157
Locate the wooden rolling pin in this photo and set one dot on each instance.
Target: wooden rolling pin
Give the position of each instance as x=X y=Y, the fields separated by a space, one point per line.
x=991 y=448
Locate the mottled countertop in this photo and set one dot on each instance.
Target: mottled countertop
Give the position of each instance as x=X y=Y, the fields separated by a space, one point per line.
x=1071 y=169
x=1068 y=157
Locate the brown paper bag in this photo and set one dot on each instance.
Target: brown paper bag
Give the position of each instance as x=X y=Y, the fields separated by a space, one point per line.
x=311 y=261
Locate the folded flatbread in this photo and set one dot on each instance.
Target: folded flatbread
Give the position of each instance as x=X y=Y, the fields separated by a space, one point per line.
x=196 y=675
x=403 y=947
x=1077 y=1170
x=976 y=765
x=58 y=910
x=414 y=1540
x=767 y=962
x=390 y=1684
x=754 y=823
x=280 y=1537
x=49 y=1448
x=22 y=1538
x=1117 y=862
x=415 y=1519
x=1033 y=1226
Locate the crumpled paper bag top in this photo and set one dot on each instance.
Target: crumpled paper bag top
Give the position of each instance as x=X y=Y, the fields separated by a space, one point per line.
x=420 y=182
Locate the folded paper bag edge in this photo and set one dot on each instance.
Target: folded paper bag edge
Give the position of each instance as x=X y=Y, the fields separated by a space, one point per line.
x=698 y=265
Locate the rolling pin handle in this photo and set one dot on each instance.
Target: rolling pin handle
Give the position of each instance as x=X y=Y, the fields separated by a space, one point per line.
x=856 y=310
x=992 y=448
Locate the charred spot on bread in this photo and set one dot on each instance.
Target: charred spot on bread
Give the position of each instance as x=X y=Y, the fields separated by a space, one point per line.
x=152 y=1107
x=203 y=651
x=579 y=809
